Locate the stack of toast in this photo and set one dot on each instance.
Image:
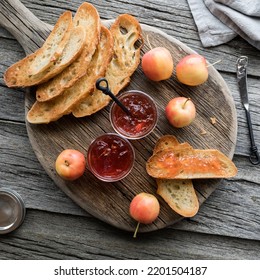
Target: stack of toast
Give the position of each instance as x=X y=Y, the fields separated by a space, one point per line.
x=77 y=52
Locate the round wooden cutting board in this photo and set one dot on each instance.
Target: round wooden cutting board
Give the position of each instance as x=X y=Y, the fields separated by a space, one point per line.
x=110 y=201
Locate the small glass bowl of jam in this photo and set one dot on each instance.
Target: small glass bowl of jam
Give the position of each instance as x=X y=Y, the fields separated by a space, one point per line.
x=110 y=157
x=143 y=117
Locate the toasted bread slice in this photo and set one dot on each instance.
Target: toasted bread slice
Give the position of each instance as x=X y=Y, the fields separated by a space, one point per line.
x=180 y=195
x=165 y=142
x=22 y=73
x=174 y=163
x=70 y=53
x=53 y=46
x=169 y=141
x=86 y=16
x=126 y=31
x=45 y=112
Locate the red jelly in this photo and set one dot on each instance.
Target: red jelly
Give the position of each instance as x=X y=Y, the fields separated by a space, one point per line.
x=110 y=157
x=143 y=117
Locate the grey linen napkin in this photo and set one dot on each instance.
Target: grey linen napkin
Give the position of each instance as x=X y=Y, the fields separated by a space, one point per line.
x=219 y=21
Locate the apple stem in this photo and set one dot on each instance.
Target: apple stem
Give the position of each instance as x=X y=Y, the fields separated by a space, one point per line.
x=183 y=106
x=136 y=229
x=209 y=65
x=148 y=41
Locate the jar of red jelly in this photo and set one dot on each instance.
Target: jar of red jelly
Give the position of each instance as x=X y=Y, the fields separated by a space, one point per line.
x=110 y=157
x=142 y=118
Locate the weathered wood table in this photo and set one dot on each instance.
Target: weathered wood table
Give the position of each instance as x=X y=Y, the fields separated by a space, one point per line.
x=228 y=223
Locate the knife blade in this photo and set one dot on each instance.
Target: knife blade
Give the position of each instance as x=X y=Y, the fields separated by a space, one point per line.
x=242 y=63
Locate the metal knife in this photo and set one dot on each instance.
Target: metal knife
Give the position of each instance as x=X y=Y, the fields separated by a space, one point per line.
x=242 y=63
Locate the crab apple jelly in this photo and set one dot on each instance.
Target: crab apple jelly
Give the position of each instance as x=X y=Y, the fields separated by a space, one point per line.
x=110 y=157
x=143 y=117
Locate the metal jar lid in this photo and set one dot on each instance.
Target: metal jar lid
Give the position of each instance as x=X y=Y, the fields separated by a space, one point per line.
x=12 y=210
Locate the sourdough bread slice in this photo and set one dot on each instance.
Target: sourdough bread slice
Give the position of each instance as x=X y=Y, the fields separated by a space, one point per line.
x=53 y=46
x=165 y=142
x=169 y=141
x=126 y=32
x=86 y=16
x=21 y=74
x=45 y=112
x=174 y=163
x=180 y=195
x=70 y=53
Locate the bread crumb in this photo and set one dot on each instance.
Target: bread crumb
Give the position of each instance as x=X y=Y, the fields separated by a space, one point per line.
x=213 y=120
x=203 y=131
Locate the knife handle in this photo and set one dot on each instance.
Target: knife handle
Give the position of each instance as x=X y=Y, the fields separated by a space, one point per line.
x=242 y=62
x=254 y=155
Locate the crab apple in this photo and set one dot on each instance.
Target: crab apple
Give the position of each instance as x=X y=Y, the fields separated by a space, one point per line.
x=70 y=164
x=157 y=64
x=192 y=70
x=180 y=111
x=144 y=208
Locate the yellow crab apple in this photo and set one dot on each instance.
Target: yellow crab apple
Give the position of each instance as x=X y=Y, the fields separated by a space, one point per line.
x=70 y=164
x=192 y=70
x=180 y=111
x=144 y=208
x=157 y=64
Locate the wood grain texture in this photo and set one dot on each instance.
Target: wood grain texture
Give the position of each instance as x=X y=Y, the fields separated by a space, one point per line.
x=227 y=220
x=35 y=240
x=15 y=17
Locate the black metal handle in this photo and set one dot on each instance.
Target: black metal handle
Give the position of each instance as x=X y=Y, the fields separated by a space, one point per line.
x=106 y=90
x=254 y=155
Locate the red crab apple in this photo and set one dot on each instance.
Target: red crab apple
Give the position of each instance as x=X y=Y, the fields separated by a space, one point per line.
x=180 y=111
x=144 y=208
x=192 y=70
x=157 y=64
x=70 y=164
